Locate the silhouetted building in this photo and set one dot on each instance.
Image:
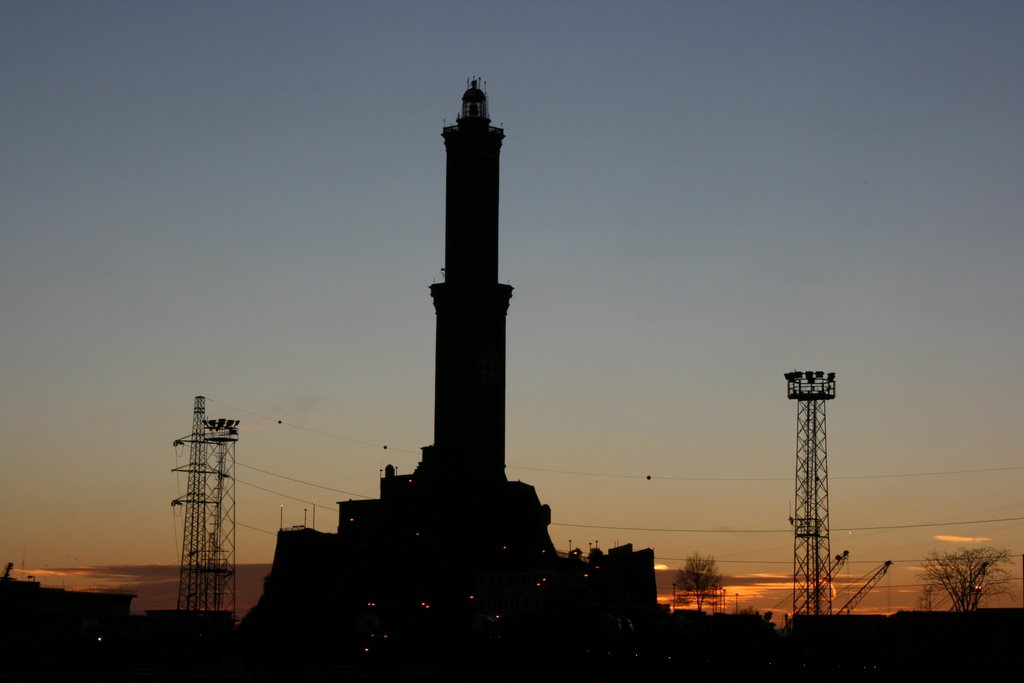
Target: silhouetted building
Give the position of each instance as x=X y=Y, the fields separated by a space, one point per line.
x=454 y=547
x=55 y=608
x=47 y=628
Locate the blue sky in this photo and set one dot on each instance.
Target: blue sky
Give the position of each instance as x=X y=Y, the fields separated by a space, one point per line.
x=244 y=200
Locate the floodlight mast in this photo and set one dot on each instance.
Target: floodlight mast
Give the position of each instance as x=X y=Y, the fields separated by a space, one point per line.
x=812 y=575
x=207 y=578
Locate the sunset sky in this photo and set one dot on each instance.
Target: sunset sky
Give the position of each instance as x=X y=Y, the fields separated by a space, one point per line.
x=245 y=200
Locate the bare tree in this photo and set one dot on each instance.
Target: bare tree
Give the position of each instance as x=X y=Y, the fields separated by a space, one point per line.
x=967 y=576
x=699 y=578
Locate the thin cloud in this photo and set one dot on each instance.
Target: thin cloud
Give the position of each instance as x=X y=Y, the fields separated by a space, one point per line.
x=103 y=576
x=299 y=405
x=962 y=539
x=771 y=575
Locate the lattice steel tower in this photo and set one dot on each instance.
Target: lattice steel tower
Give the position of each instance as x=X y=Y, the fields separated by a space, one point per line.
x=207 y=580
x=812 y=581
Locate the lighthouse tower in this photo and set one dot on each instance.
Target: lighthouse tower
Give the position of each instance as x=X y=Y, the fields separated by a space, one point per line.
x=469 y=382
x=455 y=543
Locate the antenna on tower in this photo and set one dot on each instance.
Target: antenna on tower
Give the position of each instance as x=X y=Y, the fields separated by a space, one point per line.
x=207 y=579
x=812 y=574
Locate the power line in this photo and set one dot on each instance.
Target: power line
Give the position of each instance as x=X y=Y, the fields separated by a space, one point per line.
x=930 y=474
x=263 y=531
x=784 y=531
x=918 y=526
x=683 y=559
x=629 y=476
x=591 y=474
x=647 y=529
x=285 y=495
x=310 y=429
x=300 y=481
x=761 y=479
x=615 y=475
x=675 y=530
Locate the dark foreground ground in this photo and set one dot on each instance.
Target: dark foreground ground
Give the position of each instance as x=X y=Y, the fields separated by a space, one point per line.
x=914 y=646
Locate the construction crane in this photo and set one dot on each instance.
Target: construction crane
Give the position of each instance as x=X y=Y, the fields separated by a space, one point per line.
x=837 y=565
x=865 y=589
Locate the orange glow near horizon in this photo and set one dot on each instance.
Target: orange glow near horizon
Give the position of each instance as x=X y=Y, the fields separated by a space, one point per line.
x=97 y=575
